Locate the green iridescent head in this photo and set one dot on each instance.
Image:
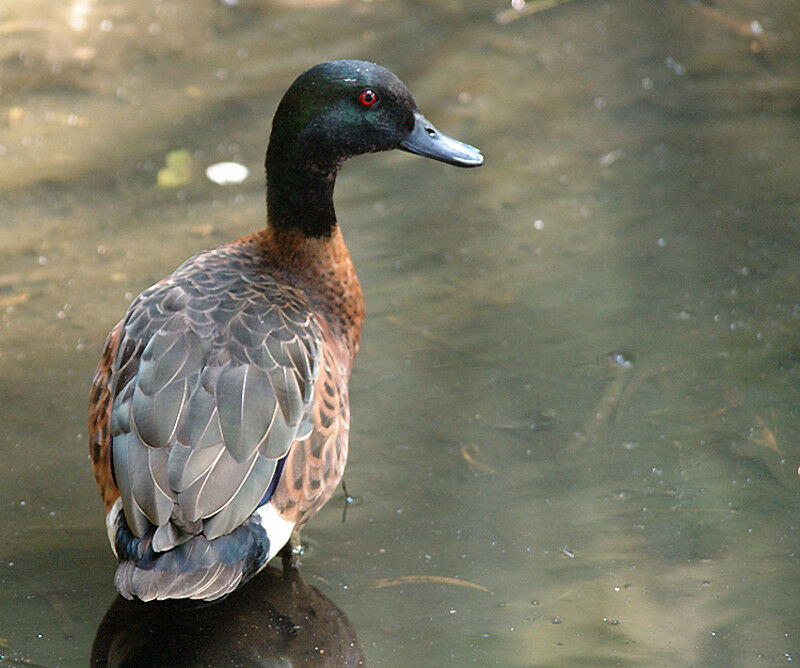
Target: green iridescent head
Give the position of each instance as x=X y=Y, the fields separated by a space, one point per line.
x=336 y=110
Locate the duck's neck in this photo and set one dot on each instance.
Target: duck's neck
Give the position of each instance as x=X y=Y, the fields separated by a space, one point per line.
x=302 y=239
x=301 y=200
x=300 y=179
x=322 y=268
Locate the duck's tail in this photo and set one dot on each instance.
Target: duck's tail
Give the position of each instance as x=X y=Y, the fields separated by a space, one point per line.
x=198 y=568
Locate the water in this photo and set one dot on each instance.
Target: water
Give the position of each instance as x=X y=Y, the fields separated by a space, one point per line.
x=639 y=197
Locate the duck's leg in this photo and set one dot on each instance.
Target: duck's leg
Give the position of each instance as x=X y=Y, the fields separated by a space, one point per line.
x=348 y=500
x=290 y=553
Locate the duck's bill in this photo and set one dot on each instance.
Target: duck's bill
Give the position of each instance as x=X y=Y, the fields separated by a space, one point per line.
x=427 y=141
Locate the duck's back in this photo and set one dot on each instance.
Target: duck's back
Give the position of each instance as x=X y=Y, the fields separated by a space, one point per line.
x=212 y=376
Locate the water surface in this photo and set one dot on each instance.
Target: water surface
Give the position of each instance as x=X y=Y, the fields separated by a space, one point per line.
x=578 y=382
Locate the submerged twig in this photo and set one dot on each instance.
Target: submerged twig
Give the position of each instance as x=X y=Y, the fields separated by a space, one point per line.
x=620 y=366
x=14 y=300
x=739 y=27
x=752 y=30
x=426 y=579
x=469 y=453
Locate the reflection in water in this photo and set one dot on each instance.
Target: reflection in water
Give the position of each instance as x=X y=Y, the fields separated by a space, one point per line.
x=273 y=620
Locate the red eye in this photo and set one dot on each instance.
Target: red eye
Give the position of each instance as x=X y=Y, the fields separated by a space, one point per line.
x=367 y=97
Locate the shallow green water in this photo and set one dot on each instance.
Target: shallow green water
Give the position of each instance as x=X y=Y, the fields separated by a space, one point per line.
x=639 y=196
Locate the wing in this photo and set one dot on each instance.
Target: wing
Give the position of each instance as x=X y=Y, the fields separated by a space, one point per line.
x=212 y=382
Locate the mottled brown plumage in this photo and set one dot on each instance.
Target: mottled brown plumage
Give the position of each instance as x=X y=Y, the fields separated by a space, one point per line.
x=100 y=422
x=324 y=270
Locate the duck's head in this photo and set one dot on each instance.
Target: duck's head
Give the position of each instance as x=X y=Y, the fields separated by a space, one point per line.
x=344 y=108
x=334 y=111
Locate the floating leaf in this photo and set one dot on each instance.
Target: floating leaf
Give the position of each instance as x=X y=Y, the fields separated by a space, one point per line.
x=178 y=170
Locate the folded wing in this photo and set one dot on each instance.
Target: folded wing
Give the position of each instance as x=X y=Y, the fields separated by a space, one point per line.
x=212 y=383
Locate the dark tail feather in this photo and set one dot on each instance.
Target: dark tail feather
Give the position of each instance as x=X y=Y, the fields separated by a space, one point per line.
x=199 y=568
x=133 y=582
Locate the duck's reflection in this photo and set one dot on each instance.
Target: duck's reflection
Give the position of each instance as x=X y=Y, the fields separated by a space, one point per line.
x=274 y=620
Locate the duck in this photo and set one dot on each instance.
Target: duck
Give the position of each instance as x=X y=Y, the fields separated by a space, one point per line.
x=219 y=411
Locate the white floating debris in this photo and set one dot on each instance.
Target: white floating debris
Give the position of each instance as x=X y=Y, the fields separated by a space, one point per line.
x=675 y=66
x=226 y=173
x=608 y=159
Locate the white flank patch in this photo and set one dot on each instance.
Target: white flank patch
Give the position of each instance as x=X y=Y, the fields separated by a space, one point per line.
x=226 y=173
x=111 y=523
x=278 y=529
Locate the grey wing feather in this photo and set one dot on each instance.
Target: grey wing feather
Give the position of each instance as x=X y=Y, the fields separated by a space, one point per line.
x=185 y=464
x=244 y=415
x=212 y=385
x=215 y=489
x=199 y=427
x=249 y=494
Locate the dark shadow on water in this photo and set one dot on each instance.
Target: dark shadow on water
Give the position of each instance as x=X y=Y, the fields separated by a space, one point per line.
x=274 y=620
